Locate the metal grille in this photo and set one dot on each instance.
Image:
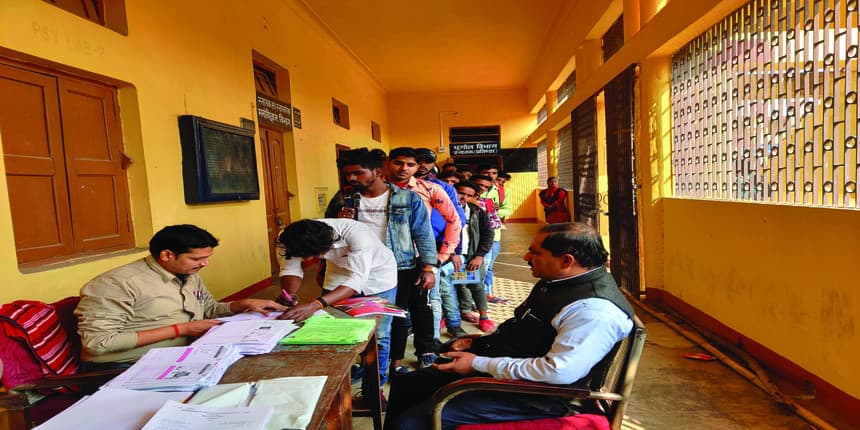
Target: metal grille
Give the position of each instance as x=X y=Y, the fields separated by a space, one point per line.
x=542 y=114
x=567 y=87
x=565 y=157
x=542 y=164
x=764 y=106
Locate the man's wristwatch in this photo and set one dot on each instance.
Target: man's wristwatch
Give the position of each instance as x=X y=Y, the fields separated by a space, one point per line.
x=433 y=269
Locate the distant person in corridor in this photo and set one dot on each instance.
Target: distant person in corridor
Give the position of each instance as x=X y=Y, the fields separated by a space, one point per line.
x=554 y=201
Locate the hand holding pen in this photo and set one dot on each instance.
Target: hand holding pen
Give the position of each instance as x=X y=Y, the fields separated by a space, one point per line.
x=287 y=299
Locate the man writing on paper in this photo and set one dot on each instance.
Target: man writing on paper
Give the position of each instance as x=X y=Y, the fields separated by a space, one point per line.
x=357 y=262
x=156 y=301
x=563 y=330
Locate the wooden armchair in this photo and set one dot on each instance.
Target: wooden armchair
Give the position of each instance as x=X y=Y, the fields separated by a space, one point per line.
x=40 y=361
x=611 y=395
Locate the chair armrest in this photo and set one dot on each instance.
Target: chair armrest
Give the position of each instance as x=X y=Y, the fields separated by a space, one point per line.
x=87 y=379
x=461 y=386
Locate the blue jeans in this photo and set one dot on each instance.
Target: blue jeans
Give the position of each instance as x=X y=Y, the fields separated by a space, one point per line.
x=444 y=301
x=383 y=339
x=489 y=260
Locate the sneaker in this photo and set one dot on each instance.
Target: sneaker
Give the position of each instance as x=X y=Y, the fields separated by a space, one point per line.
x=399 y=370
x=359 y=403
x=486 y=325
x=442 y=324
x=457 y=332
x=496 y=300
x=426 y=360
x=469 y=317
x=356 y=373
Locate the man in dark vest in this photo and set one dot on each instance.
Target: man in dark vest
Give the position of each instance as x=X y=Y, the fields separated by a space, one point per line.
x=560 y=334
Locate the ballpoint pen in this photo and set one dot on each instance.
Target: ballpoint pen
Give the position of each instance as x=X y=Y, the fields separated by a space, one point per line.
x=287 y=295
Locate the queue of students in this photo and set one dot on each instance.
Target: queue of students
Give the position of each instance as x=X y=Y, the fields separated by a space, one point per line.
x=387 y=233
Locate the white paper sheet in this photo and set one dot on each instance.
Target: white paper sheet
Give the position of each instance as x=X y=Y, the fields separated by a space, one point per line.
x=224 y=395
x=244 y=316
x=111 y=409
x=179 y=416
x=294 y=400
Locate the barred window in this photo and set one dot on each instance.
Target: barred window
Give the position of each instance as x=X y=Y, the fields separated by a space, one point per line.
x=567 y=87
x=542 y=114
x=764 y=106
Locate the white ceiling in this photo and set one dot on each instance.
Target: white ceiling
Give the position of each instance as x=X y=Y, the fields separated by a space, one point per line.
x=439 y=45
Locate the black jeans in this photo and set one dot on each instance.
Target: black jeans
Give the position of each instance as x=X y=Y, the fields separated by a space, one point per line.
x=417 y=302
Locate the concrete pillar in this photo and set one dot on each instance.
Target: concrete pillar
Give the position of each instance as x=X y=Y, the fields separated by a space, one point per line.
x=631 y=18
x=589 y=57
x=647 y=10
x=551 y=102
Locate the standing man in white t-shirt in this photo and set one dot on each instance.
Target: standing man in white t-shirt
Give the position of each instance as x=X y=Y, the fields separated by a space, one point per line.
x=400 y=219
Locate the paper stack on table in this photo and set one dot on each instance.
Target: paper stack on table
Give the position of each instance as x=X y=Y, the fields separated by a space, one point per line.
x=255 y=336
x=111 y=409
x=175 y=415
x=179 y=368
x=293 y=398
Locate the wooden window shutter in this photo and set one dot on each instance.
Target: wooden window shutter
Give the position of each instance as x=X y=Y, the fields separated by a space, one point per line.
x=35 y=171
x=98 y=189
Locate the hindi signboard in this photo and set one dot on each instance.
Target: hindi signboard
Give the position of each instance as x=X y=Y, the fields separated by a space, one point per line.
x=474 y=149
x=274 y=113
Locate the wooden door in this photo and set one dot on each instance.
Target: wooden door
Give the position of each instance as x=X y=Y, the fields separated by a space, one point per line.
x=277 y=196
x=623 y=223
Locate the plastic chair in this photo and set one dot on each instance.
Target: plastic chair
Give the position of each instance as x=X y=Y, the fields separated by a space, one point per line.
x=40 y=362
x=609 y=394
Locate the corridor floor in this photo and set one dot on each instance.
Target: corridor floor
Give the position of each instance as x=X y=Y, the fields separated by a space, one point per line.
x=670 y=392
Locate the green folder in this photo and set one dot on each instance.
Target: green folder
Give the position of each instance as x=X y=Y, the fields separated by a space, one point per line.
x=325 y=330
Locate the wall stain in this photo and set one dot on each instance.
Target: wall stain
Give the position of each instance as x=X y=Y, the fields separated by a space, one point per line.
x=837 y=314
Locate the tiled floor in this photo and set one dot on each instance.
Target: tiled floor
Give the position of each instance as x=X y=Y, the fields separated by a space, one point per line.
x=671 y=392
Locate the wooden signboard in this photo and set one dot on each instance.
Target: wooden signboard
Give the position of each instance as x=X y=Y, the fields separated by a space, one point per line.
x=474 y=149
x=274 y=113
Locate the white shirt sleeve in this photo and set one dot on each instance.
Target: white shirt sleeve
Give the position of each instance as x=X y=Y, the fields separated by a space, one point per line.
x=587 y=331
x=360 y=258
x=292 y=266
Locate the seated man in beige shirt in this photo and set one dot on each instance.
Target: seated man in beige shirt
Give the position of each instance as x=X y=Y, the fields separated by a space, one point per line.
x=156 y=301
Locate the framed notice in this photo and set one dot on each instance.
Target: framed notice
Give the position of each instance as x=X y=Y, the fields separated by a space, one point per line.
x=297 y=117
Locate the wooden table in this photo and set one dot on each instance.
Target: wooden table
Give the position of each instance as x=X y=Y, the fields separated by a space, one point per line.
x=334 y=407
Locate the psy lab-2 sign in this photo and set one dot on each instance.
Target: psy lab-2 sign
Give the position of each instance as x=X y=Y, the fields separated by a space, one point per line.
x=474 y=149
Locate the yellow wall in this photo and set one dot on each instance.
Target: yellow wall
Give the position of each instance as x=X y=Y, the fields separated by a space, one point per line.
x=781 y=275
x=414 y=117
x=414 y=121
x=520 y=192
x=195 y=57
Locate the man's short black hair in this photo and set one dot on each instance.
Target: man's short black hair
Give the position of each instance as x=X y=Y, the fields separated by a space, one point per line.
x=445 y=175
x=577 y=239
x=483 y=167
x=424 y=155
x=368 y=159
x=468 y=184
x=484 y=177
x=306 y=238
x=180 y=239
x=403 y=151
x=504 y=174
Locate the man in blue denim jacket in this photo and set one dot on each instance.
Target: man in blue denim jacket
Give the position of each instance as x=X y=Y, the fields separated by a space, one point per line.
x=400 y=220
